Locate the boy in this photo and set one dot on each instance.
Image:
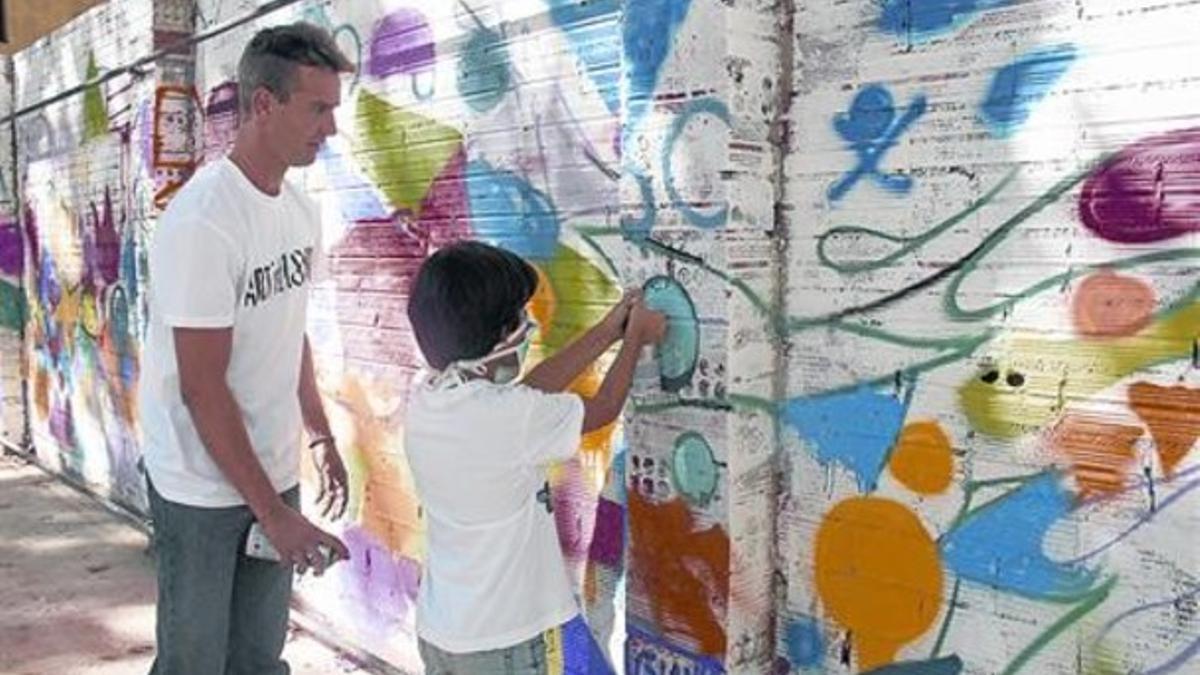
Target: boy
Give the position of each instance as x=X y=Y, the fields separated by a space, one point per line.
x=495 y=597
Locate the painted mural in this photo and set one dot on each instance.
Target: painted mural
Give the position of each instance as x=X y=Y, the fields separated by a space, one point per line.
x=12 y=294
x=929 y=398
x=531 y=125
x=989 y=459
x=86 y=178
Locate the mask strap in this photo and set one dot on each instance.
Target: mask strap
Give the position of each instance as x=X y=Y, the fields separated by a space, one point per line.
x=456 y=373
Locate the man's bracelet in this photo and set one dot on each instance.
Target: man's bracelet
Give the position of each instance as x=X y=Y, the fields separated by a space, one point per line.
x=320 y=440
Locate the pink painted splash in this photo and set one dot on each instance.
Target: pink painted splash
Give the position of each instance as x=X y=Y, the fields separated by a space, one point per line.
x=31 y=236
x=574 y=512
x=608 y=539
x=445 y=211
x=1148 y=192
x=12 y=251
x=105 y=259
x=374 y=266
x=1108 y=304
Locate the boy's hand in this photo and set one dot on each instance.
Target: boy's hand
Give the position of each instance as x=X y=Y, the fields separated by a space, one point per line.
x=645 y=325
x=614 y=323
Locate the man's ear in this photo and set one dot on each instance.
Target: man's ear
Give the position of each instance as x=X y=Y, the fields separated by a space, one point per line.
x=262 y=101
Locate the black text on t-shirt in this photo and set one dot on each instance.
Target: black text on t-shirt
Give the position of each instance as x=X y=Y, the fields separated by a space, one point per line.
x=287 y=272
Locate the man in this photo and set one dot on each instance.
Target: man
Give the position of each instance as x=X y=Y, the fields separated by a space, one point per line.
x=228 y=377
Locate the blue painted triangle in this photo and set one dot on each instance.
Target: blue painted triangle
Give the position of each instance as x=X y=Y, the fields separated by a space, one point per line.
x=855 y=429
x=1001 y=544
x=592 y=29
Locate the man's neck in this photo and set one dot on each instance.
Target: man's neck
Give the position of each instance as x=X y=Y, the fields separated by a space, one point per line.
x=259 y=167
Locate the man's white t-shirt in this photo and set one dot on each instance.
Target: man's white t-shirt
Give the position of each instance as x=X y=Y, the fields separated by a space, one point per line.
x=494 y=575
x=227 y=255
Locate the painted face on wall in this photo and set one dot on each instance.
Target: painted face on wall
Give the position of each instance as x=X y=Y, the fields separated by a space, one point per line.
x=220 y=120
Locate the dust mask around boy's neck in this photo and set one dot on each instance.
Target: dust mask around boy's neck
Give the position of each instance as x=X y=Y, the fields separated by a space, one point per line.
x=517 y=342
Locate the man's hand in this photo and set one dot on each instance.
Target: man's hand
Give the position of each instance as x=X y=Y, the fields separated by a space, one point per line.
x=299 y=542
x=333 y=494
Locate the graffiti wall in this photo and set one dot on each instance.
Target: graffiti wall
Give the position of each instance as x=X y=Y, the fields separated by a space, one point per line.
x=929 y=398
x=12 y=296
x=85 y=165
x=461 y=122
x=595 y=143
x=703 y=103
x=992 y=409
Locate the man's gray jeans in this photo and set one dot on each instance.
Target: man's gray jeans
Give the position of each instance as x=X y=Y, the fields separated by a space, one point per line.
x=219 y=612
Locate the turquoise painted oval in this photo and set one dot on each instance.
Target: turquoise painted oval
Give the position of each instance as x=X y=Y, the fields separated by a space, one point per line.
x=694 y=468
x=680 y=349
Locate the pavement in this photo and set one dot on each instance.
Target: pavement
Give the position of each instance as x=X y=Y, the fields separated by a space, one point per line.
x=77 y=586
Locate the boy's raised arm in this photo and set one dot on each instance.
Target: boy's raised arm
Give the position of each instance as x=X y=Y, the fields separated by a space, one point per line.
x=557 y=372
x=645 y=326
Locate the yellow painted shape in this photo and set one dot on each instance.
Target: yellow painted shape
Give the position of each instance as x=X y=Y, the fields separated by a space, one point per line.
x=388 y=508
x=878 y=574
x=89 y=313
x=1055 y=373
x=1103 y=660
x=596 y=446
x=543 y=303
x=402 y=152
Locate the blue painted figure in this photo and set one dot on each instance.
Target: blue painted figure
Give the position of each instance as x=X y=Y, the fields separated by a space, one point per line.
x=1021 y=85
x=920 y=20
x=870 y=127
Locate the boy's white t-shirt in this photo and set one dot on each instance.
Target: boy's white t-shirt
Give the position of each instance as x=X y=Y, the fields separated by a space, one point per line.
x=226 y=254
x=495 y=574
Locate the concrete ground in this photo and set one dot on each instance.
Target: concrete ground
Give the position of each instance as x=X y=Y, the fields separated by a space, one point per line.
x=77 y=587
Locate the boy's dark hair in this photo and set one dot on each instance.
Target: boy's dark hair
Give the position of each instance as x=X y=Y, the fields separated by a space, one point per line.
x=271 y=57
x=467 y=297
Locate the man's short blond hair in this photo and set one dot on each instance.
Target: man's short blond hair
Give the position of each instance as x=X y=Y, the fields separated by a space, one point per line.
x=270 y=59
